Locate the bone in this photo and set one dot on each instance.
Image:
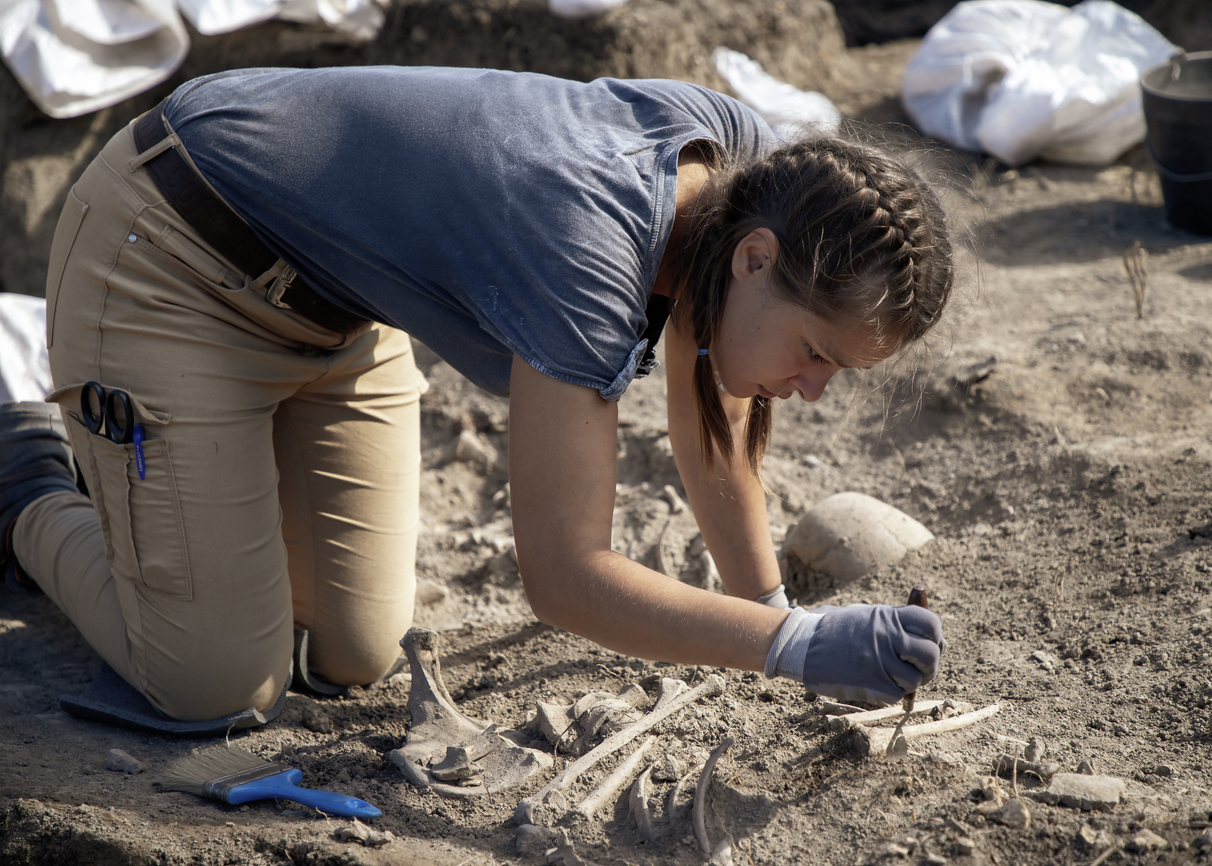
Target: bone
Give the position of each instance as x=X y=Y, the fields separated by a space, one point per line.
x=667 y=691
x=524 y=813
x=850 y=720
x=722 y=855
x=875 y=741
x=638 y=803
x=671 y=803
x=1009 y=765
x=453 y=754
x=616 y=781
x=700 y=796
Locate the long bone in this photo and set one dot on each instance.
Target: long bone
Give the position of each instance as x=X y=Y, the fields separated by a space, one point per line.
x=525 y=811
x=850 y=720
x=875 y=741
x=616 y=781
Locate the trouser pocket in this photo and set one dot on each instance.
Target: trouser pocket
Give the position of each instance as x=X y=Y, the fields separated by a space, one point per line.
x=141 y=517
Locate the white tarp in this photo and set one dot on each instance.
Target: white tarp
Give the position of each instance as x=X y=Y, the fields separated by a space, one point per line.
x=24 y=365
x=77 y=56
x=789 y=111
x=1021 y=79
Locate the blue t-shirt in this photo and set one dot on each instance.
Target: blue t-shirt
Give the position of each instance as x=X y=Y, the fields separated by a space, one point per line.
x=486 y=213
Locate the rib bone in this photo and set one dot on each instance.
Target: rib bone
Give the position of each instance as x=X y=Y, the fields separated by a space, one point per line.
x=700 y=795
x=640 y=810
x=525 y=811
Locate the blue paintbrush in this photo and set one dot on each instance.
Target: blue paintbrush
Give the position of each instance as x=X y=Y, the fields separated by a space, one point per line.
x=234 y=775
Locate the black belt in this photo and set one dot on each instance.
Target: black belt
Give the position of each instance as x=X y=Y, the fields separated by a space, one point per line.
x=224 y=230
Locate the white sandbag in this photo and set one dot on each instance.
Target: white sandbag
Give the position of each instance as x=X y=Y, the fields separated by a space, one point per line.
x=24 y=365
x=1021 y=79
x=581 y=8
x=211 y=17
x=789 y=111
x=77 y=56
x=358 y=19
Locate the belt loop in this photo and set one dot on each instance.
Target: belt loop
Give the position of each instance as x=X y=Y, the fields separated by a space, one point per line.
x=155 y=150
x=279 y=287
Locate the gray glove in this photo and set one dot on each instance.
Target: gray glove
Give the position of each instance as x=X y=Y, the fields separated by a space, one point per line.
x=872 y=653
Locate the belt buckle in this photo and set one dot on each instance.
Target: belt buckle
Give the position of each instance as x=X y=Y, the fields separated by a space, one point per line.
x=280 y=286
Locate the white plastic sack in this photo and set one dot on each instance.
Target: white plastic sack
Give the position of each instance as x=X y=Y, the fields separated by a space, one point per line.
x=581 y=8
x=358 y=19
x=77 y=56
x=789 y=111
x=212 y=17
x=1021 y=79
x=24 y=365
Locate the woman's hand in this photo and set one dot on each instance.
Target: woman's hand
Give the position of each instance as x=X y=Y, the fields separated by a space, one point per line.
x=863 y=652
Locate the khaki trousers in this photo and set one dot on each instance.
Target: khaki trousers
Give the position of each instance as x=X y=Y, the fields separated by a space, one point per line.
x=281 y=459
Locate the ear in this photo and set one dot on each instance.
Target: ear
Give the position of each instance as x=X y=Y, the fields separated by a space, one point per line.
x=755 y=255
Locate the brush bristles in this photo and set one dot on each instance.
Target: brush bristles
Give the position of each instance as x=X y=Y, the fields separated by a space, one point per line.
x=192 y=773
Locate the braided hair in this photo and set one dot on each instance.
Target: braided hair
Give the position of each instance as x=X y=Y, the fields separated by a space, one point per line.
x=861 y=238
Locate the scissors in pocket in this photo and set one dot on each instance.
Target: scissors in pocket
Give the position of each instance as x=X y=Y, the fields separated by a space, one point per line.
x=112 y=410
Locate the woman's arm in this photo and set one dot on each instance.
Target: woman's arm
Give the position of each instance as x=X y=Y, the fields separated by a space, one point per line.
x=562 y=446
x=729 y=503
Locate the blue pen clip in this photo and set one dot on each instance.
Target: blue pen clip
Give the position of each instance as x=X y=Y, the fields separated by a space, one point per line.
x=138 y=439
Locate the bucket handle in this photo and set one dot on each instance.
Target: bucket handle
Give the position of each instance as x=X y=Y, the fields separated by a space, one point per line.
x=1173 y=175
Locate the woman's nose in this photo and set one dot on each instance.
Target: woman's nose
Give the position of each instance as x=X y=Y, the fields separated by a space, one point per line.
x=811 y=386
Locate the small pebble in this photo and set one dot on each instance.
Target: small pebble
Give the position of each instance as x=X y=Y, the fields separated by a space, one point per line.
x=965 y=845
x=1014 y=814
x=120 y=762
x=935 y=859
x=316 y=720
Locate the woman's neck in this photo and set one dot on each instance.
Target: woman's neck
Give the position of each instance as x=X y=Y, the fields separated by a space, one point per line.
x=693 y=174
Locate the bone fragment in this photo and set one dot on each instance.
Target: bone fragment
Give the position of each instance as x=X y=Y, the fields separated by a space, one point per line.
x=565 y=854
x=638 y=803
x=671 y=803
x=722 y=855
x=616 y=781
x=524 y=813
x=841 y=723
x=833 y=708
x=700 y=795
x=1009 y=765
x=875 y=741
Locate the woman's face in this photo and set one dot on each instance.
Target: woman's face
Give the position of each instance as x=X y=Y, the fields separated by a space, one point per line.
x=769 y=347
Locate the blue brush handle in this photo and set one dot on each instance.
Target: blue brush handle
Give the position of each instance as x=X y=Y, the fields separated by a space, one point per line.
x=285 y=786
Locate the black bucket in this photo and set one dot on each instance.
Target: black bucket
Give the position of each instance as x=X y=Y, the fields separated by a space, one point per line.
x=1178 y=114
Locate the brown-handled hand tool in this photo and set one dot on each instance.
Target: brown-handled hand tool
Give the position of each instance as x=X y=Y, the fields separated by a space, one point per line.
x=917 y=596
